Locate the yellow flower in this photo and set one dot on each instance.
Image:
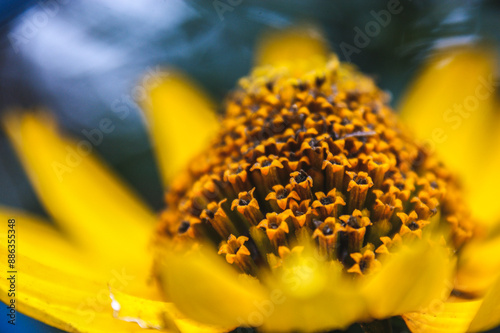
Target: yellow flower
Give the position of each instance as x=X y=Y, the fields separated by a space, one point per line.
x=311 y=209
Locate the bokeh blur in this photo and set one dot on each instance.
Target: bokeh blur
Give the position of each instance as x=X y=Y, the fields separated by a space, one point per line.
x=85 y=60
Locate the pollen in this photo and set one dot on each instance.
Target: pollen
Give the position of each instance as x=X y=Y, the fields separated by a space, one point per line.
x=319 y=158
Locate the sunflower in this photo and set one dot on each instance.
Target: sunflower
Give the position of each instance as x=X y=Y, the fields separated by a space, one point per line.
x=308 y=207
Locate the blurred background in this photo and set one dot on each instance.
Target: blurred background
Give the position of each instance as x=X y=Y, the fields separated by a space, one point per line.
x=85 y=60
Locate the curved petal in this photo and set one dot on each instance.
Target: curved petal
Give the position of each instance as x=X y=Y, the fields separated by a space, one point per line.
x=154 y=314
x=182 y=119
x=488 y=315
x=450 y=106
x=443 y=317
x=478 y=266
x=409 y=280
x=482 y=196
x=300 y=49
x=43 y=243
x=457 y=315
x=311 y=295
x=65 y=287
x=80 y=193
x=61 y=299
x=208 y=290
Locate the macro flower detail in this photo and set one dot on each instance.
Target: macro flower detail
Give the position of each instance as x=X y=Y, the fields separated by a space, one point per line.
x=314 y=161
x=286 y=141
x=308 y=207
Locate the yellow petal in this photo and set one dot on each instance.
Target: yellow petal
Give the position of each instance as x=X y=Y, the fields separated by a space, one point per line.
x=61 y=299
x=478 y=266
x=482 y=195
x=450 y=104
x=456 y=315
x=154 y=314
x=182 y=121
x=311 y=295
x=488 y=315
x=205 y=288
x=80 y=193
x=35 y=239
x=443 y=317
x=409 y=280
x=300 y=49
x=40 y=241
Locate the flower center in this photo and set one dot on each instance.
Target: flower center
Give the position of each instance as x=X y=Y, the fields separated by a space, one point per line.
x=320 y=157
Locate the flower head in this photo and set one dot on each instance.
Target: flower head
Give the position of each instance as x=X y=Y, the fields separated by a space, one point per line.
x=315 y=160
x=287 y=140
x=312 y=209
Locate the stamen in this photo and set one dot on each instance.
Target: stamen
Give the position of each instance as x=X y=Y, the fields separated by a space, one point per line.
x=248 y=206
x=237 y=253
x=299 y=214
x=326 y=236
x=354 y=227
x=276 y=229
x=329 y=204
x=364 y=263
x=358 y=189
x=302 y=184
